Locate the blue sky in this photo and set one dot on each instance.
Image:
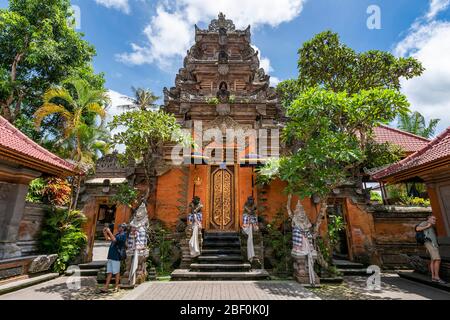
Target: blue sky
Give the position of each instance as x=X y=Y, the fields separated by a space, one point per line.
x=141 y=42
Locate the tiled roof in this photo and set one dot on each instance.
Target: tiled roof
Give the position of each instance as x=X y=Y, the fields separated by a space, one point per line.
x=409 y=142
x=434 y=152
x=17 y=147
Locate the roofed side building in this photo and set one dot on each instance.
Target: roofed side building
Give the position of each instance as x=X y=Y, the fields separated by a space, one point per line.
x=21 y=161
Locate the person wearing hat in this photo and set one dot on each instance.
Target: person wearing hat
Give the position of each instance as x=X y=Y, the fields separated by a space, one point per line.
x=116 y=253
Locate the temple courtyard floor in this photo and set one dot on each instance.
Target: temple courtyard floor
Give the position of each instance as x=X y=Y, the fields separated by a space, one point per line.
x=353 y=288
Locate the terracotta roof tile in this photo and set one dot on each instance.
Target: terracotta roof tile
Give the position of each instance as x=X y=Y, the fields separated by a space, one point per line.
x=14 y=141
x=436 y=150
x=409 y=142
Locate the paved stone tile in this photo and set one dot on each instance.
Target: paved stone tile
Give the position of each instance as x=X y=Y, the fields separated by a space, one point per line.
x=392 y=288
x=226 y=290
x=57 y=289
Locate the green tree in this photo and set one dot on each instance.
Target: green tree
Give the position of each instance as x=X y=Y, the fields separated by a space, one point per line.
x=144 y=136
x=415 y=123
x=328 y=133
x=144 y=100
x=332 y=108
x=74 y=104
x=326 y=62
x=39 y=49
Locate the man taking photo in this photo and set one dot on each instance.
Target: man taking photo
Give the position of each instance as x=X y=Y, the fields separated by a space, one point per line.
x=116 y=253
x=432 y=246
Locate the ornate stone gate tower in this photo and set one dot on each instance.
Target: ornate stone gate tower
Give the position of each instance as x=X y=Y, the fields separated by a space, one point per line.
x=221 y=87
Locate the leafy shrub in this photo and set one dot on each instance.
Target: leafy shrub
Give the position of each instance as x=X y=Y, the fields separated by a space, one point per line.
x=414 y=201
x=160 y=247
x=213 y=101
x=126 y=195
x=57 y=192
x=62 y=234
x=36 y=191
x=376 y=197
x=335 y=226
x=278 y=238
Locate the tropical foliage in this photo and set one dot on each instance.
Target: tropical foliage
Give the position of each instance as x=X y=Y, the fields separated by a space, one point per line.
x=126 y=195
x=38 y=50
x=278 y=239
x=74 y=103
x=144 y=100
x=415 y=123
x=36 y=191
x=63 y=234
x=144 y=135
x=161 y=248
x=53 y=191
x=332 y=108
x=57 y=192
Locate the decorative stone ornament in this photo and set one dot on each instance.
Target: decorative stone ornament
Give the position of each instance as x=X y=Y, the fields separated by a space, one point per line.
x=42 y=263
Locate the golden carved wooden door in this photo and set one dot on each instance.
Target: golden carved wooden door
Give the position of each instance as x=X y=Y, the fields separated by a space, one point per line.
x=222 y=205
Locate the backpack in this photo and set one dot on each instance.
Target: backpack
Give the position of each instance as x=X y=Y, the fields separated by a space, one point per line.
x=420 y=236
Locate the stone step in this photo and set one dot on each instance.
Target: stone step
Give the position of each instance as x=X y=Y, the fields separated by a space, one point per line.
x=93 y=265
x=424 y=279
x=345 y=264
x=25 y=283
x=222 y=245
x=186 y=275
x=218 y=233
x=221 y=252
x=354 y=272
x=83 y=272
x=221 y=258
x=221 y=267
x=221 y=240
x=221 y=236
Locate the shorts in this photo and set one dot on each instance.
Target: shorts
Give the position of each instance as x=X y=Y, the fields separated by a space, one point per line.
x=433 y=251
x=113 y=267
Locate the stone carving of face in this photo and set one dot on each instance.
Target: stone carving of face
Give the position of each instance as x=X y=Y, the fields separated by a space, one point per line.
x=141 y=217
x=223 y=86
x=300 y=219
x=196 y=201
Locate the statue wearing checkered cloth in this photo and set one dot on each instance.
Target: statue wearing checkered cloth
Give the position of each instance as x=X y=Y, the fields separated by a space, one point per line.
x=195 y=219
x=303 y=250
x=249 y=225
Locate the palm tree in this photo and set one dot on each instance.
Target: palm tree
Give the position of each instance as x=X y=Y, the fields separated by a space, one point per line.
x=415 y=123
x=74 y=107
x=144 y=99
x=75 y=103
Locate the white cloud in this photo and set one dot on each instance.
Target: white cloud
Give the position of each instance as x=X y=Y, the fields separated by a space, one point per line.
x=170 y=32
x=428 y=41
x=121 y=5
x=436 y=6
x=114 y=109
x=117 y=100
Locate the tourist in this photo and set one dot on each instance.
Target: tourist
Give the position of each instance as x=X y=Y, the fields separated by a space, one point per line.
x=116 y=253
x=432 y=246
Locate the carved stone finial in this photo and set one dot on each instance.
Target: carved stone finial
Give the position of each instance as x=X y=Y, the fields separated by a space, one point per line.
x=221 y=23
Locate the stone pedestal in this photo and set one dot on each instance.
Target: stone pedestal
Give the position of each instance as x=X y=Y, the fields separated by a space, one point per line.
x=186 y=259
x=301 y=271
x=258 y=246
x=141 y=272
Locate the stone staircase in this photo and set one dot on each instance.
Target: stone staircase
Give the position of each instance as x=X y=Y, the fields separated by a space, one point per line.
x=348 y=268
x=89 y=269
x=221 y=259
